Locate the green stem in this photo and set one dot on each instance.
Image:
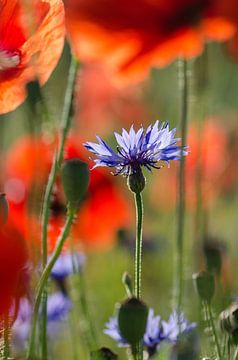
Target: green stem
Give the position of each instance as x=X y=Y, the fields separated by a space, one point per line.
x=138 y=351
x=183 y=78
x=6 y=349
x=219 y=353
x=236 y=354
x=44 y=278
x=90 y=333
x=65 y=126
x=138 y=254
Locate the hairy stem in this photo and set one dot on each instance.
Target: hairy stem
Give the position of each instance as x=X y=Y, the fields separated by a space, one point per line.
x=65 y=125
x=44 y=278
x=183 y=78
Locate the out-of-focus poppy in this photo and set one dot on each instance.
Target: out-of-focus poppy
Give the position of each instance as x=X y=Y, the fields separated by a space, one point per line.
x=31 y=41
x=203 y=157
x=97 y=224
x=131 y=37
x=101 y=105
x=13 y=259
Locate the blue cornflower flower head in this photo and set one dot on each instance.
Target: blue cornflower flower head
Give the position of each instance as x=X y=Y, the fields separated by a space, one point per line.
x=176 y=325
x=66 y=264
x=135 y=150
x=152 y=336
x=58 y=307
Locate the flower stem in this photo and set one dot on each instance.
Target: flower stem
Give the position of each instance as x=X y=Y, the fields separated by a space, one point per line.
x=44 y=278
x=183 y=79
x=65 y=125
x=209 y=310
x=138 y=351
x=138 y=253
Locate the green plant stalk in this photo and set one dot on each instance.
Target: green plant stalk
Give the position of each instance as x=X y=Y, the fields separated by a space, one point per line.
x=90 y=333
x=138 y=253
x=44 y=278
x=57 y=161
x=236 y=354
x=138 y=351
x=6 y=349
x=183 y=79
x=209 y=310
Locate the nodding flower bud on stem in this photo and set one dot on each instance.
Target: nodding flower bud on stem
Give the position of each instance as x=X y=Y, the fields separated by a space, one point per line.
x=132 y=320
x=127 y=281
x=75 y=180
x=205 y=285
x=136 y=181
x=4 y=209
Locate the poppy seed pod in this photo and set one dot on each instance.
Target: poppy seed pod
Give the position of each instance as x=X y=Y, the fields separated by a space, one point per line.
x=75 y=180
x=132 y=320
x=4 y=209
x=205 y=285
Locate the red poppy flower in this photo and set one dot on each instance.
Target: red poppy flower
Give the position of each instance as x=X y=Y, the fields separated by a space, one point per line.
x=13 y=259
x=212 y=157
x=31 y=41
x=27 y=168
x=130 y=37
x=101 y=105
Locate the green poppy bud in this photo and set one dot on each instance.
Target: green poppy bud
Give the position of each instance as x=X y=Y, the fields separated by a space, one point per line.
x=205 y=285
x=34 y=92
x=213 y=256
x=103 y=354
x=132 y=320
x=4 y=209
x=75 y=180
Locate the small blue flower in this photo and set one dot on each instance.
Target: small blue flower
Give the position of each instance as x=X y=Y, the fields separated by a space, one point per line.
x=152 y=336
x=176 y=325
x=65 y=264
x=144 y=148
x=58 y=307
x=157 y=331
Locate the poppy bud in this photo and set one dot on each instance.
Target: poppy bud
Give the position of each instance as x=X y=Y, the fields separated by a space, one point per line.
x=205 y=285
x=103 y=354
x=34 y=92
x=75 y=180
x=136 y=181
x=132 y=320
x=4 y=209
x=126 y=280
x=213 y=256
